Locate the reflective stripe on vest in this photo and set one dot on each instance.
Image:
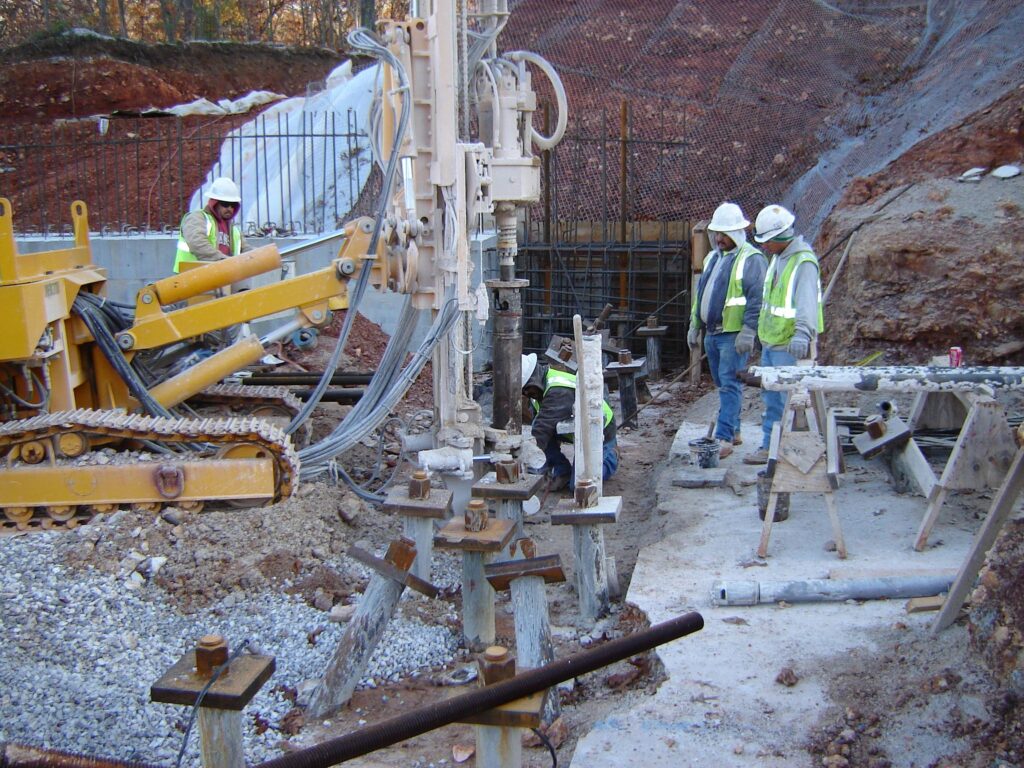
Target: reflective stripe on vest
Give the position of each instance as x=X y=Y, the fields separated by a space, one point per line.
x=185 y=253
x=777 y=322
x=557 y=378
x=735 y=299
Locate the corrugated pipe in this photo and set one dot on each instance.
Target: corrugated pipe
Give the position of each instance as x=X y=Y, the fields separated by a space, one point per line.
x=440 y=713
x=20 y=756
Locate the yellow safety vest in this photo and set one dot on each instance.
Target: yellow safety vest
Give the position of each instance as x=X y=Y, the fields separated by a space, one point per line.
x=777 y=322
x=735 y=298
x=185 y=253
x=556 y=378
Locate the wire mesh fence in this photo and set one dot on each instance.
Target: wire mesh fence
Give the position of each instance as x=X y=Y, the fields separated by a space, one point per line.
x=139 y=174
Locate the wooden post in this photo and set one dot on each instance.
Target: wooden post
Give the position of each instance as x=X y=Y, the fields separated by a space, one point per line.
x=627 y=370
x=1000 y=510
x=654 y=334
x=367 y=625
x=220 y=738
x=419 y=506
x=498 y=746
x=510 y=487
x=237 y=681
x=525 y=579
x=590 y=572
x=477 y=547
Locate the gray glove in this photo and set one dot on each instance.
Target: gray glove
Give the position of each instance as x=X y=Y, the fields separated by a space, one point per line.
x=799 y=346
x=745 y=340
x=693 y=336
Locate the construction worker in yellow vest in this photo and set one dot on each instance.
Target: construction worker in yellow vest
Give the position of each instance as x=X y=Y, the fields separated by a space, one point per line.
x=725 y=308
x=791 y=312
x=552 y=395
x=208 y=234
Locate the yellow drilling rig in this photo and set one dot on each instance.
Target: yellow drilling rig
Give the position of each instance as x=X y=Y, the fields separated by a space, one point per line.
x=80 y=374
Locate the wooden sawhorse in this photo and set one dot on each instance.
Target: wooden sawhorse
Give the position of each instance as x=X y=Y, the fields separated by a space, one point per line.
x=981 y=456
x=803 y=460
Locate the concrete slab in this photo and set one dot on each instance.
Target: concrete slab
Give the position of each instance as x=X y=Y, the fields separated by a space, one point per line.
x=700 y=478
x=722 y=705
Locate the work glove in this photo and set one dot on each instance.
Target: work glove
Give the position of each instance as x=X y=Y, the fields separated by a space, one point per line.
x=745 y=340
x=799 y=346
x=693 y=336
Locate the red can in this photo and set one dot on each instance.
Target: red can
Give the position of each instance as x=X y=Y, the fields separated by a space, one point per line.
x=956 y=357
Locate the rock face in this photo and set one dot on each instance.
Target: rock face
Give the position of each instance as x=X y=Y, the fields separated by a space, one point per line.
x=936 y=266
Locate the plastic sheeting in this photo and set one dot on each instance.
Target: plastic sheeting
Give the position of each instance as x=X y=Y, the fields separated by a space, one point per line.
x=302 y=163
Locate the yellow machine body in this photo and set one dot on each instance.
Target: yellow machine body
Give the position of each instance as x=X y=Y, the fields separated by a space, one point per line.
x=61 y=397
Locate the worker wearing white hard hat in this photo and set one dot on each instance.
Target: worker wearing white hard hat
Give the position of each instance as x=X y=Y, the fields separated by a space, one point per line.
x=726 y=305
x=791 y=313
x=209 y=234
x=552 y=395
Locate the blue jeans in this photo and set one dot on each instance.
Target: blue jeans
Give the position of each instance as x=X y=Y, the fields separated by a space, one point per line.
x=724 y=361
x=559 y=465
x=773 y=401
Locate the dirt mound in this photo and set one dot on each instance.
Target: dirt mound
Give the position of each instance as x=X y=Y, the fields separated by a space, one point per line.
x=73 y=75
x=928 y=264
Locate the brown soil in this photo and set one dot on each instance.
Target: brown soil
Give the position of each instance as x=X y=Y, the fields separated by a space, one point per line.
x=67 y=76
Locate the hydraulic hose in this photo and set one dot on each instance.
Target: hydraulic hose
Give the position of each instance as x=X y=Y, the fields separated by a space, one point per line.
x=365 y=41
x=528 y=682
x=542 y=141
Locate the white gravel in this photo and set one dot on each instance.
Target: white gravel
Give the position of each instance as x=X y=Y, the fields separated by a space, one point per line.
x=80 y=651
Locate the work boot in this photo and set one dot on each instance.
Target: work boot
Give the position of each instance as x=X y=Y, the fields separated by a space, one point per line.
x=759 y=456
x=724 y=449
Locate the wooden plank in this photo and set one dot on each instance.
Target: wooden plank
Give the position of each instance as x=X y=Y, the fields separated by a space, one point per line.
x=548 y=567
x=922 y=604
x=607 y=511
x=983 y=450
x=437 y=505
x=789 y=479
x=488 y=487
x=914 y=464
x=802 y=450
x=494 y=538
x=1002 y=506
x=896 y=433
x=833 y=451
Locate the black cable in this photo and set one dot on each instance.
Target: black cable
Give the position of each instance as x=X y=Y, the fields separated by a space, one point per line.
x=108 y=346
x=201 y=696
x=363 y=490
x=547 y=743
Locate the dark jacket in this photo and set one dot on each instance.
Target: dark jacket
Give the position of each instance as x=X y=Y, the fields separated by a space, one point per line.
x=554 y=406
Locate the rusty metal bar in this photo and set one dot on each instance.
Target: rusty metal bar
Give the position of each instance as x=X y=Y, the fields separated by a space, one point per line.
x=22 y=756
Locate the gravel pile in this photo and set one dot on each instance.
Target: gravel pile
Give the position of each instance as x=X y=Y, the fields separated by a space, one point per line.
x=81 y=649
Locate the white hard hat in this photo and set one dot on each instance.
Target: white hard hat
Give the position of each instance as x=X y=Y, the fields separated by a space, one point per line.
x=771 y=222
x=728 y=217
x=529 y=366
x=225 y=190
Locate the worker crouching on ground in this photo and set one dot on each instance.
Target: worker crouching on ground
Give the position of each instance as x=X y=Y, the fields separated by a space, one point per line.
x=791 y=313
x=209 y=234
x=552 y=395
x=726 y=306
